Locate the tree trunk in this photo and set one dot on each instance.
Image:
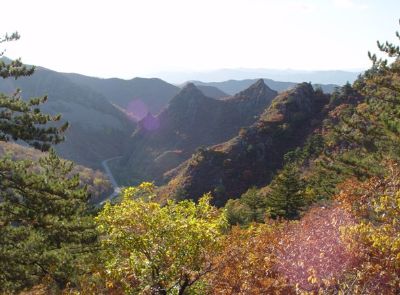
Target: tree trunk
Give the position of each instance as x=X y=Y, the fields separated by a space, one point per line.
x=183 y=287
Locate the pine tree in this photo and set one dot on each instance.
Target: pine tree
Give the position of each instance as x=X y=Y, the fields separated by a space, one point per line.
x=286 y=197
x=256 y=204
x=45 y=231
x=367 y=131
x=21 y=119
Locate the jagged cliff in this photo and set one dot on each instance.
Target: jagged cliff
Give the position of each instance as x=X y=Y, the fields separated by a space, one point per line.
x=250 y=158
x=191 y=120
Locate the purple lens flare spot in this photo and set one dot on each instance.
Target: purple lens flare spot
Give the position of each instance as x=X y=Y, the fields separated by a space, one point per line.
x=150 y=123
x=137 y=110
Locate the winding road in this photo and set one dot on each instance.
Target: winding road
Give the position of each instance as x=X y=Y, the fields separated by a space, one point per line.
x=114 y=183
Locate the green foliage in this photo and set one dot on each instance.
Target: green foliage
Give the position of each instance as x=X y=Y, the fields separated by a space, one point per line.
x=15 y=68
x=256 y=203
x=249 y=208
x=252 y=206
x=312 y=148
x=344 y=94
x=237 y=213
x=23 y=119
x=97 y=183
x=363 y=129
x=158 y=249
x=180 y=247
x=45 y=232
x=286 y=197
x=44 y=229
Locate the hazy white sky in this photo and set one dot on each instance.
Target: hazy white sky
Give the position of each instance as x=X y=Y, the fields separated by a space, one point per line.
x=139 y=37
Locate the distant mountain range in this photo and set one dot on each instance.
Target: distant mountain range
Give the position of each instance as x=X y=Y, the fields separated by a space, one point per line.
x=297 y=76
x=190 y=120
x=234 y=86
x=213 y=91
x=153 y=93
x=103 y=113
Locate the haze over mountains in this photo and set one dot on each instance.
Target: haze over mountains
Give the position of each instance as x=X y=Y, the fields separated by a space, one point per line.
x=234 y=86
x=201 y=136
x=96 y=126
x=297 y=76
x=241 y=175
x=155 y=93
x=103 y=114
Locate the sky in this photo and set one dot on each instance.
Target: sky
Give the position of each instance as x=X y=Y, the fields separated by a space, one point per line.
x=133 y=38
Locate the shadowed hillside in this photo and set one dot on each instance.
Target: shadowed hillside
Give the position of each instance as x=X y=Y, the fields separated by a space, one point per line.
x=212 y=91
x=153 y=93
x=97 y=129
x=190 y=121
x=252 y=157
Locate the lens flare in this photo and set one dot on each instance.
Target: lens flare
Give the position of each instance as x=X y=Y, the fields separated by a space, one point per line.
x=137 y=110
x=315 y=248
x=150 y=122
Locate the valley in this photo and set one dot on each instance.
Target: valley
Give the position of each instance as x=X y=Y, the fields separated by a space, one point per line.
x=108 y=118
x=114 y=184
x=206 y=177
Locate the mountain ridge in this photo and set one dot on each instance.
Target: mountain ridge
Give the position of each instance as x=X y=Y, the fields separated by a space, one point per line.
x=97 y=128
x=233 y=86
x=191 y=120
x=338 y=77
x=250 y=158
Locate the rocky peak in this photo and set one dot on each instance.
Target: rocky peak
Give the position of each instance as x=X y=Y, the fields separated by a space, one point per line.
x=256 y=90
x=295 y=104
x=188 y=94
x=190 y=89
x=303 y=89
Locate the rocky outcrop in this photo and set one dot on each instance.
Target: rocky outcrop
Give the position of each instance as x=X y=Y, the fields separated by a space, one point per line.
x=191 y=120
x=250 y=159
